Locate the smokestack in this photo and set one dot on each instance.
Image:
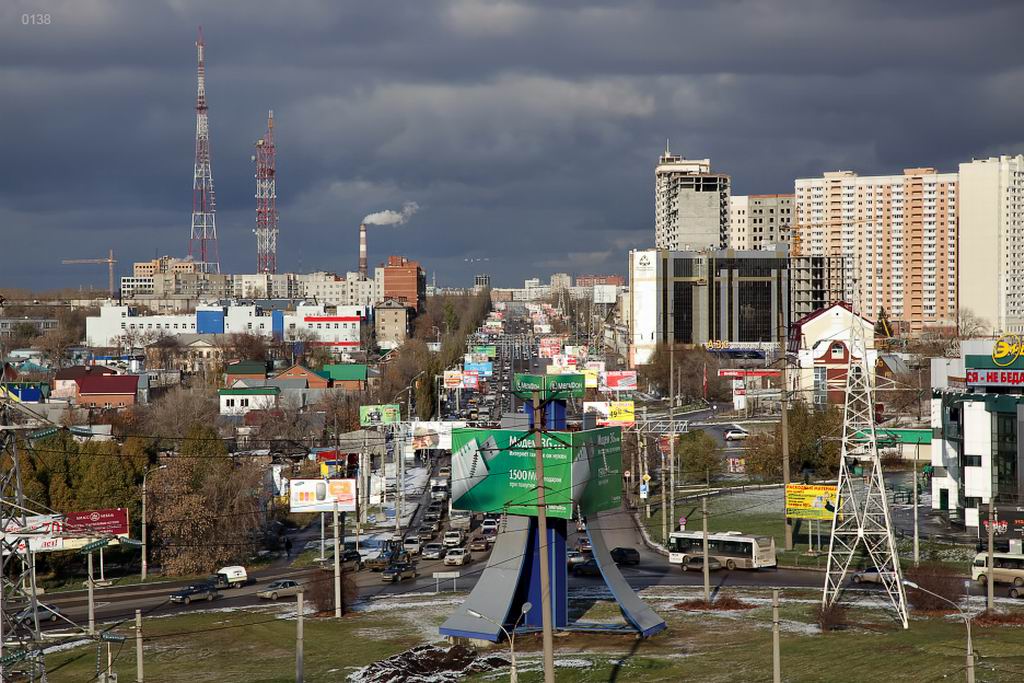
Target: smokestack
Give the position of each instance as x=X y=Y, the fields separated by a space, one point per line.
x=362 y=250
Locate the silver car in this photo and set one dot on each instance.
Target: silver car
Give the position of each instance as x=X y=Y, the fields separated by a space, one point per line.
x=280 y=589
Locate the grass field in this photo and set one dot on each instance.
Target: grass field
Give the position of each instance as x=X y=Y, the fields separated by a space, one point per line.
x=727 y=646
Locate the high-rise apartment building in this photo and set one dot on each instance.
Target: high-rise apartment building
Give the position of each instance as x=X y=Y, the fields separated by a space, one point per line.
x=897 y=236
x=561 y=281
x=992 y=251
x=759 y=221
x=691 y=204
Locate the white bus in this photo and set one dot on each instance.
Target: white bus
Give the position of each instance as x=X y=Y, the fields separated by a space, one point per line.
x=731 y=548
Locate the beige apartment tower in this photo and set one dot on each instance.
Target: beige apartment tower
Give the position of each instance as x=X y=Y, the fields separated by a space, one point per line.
x=897 y=236
x=992 y=249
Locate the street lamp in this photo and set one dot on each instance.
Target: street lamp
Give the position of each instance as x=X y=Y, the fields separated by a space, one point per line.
x=145 y=558
x=963 y=615
x=513 y=676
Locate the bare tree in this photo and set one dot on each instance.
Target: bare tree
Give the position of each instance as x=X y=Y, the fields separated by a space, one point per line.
x=174 y=414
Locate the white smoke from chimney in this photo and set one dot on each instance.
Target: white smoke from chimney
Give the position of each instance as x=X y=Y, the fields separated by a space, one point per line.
x=389 y=217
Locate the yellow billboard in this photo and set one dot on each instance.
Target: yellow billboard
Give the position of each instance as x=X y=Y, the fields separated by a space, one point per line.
x=811 y=501
x=590 y=377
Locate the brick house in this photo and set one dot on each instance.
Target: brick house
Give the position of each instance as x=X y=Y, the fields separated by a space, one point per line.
x=107 y=391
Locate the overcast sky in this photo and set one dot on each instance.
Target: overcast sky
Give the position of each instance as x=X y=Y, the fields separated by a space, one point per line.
x=526 y=131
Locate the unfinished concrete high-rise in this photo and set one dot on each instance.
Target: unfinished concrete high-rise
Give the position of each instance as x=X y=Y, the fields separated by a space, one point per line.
x=691 y=204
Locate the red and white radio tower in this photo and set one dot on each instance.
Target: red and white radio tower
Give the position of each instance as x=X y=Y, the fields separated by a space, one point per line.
x=266 y=201
x=202 y=245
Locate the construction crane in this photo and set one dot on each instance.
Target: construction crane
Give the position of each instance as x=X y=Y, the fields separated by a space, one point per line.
x=110 y=266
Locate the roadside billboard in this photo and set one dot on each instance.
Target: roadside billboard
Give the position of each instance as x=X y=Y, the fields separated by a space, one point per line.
x=489 y=351
x=577 y=353
x=470 y=379
x=605 y=294
x=106 y=522
x=612 y=413
x=550 y=346
x=453 y=379
x=319 y=495
x=484 y=370
x=811 y=501
x=541 y=328
x=493 y=470
x=619 y=380
x=373 y=416
x=433 y=434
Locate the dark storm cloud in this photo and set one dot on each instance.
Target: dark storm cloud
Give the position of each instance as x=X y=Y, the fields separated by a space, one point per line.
x=527 y=132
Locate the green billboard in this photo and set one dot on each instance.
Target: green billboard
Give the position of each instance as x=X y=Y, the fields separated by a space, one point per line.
x=553 y=386
x=490 y=351
x=494 y=470
x=372 y=416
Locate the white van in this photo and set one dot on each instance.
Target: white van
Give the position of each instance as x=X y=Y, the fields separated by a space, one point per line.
x=412 y=545
x=231 y=577
x=1008 y=568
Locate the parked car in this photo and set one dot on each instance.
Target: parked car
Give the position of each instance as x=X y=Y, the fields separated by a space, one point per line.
x=412 y=545
x=586 y=568
x=193 y=592
x=479 y=544
x=425 y=533
x=398 y=572
x=431 y=517
x=583 y=545
x=1014 y=592
x=866 y=575
x=434 y=524
x=456 y=557
x=490 y=524
x=46 y=613
x=433 y=551
x=736 y=435
x=626 y=556
x=444 y=471
x=696 y=564
x=280 y=589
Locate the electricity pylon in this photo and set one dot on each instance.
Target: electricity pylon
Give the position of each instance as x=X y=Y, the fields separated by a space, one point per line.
x=862 y=513
x=20 y=639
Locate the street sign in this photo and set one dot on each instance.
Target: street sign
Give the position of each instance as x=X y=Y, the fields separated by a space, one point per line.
x=627 y=474
x=446 y=575
x=646 y=478
x=644 y=489
x=94 y=545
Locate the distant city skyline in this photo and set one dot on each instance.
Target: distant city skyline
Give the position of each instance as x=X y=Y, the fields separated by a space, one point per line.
x=527 y=134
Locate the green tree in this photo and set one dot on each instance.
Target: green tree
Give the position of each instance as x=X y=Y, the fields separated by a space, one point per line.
x=814 y=445
x=699 y=455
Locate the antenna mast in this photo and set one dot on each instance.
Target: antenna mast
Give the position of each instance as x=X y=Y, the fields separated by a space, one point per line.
x=266 y=201
x=202 y=246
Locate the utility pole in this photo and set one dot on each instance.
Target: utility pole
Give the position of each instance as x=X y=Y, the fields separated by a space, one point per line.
x=989 y=564
x=300 y=605
x=776 y=660
x=542 y=541
x=139 y=676
x=664 y=499
x=707 y=571
x=672 y=437
x=643 y=463
x=92 y=602
x=785 y=451
x=337 y=565
x=917 y=538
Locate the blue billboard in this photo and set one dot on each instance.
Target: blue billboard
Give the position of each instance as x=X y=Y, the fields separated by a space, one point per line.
x=485 y=369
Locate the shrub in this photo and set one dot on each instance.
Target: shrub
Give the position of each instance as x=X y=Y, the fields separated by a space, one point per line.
x=937 y=578
x=831 y=617
x=319 y=591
